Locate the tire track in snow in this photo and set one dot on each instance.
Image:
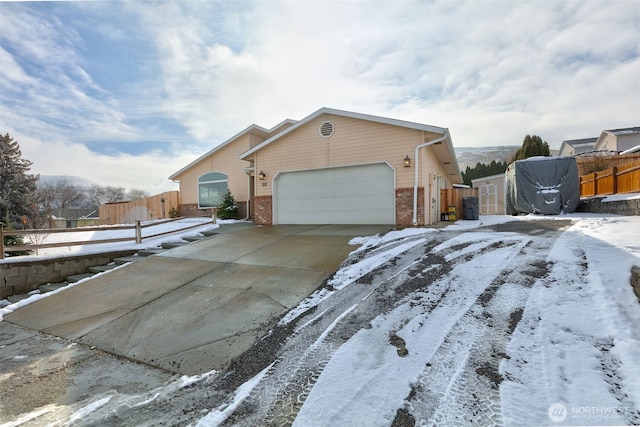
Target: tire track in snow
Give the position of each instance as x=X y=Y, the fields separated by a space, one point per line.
x=285 y=388
x=547 y=357
x=461 y=382
x=456 y=303
x=285 y=395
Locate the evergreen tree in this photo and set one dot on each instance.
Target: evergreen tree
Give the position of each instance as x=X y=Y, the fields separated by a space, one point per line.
x=228 y=209
x=532 y=146
x=12 y=240
x=482 y=170
x=17 y=187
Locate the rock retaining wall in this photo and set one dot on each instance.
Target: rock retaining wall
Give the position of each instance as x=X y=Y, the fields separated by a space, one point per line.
x=22 y=277
x=620 y=207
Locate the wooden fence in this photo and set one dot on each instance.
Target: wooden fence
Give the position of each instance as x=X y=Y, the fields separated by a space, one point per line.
x=618 y=179
x=150 y=208
x=39 y=235
x=454 y=196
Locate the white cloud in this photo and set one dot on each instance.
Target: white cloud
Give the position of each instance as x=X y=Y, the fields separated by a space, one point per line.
x=148 y=171
x=473 y=67
x=490 y=71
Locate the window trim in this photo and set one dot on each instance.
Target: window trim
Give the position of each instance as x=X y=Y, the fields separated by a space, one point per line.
x=212 y=181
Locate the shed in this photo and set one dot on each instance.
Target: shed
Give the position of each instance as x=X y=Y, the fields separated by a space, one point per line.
x=491 y=194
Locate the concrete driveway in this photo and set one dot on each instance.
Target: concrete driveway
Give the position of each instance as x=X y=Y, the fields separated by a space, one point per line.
x=194 y=308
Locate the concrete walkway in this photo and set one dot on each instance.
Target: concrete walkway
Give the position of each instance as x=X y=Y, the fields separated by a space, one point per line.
x=194 y=308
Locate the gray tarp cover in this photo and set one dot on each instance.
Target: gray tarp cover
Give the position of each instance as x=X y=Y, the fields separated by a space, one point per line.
x=543 y=185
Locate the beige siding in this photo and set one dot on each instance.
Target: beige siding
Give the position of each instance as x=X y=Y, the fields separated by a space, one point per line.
x=255 y=140
x=353 y=142
x=224 y=160
x=433 y=180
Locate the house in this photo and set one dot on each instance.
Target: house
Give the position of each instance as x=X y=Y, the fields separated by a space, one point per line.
x=618 y=139
x=74 y=217
x=332 y=167
x=492 y=196
x=206 y=180
x=572 y=147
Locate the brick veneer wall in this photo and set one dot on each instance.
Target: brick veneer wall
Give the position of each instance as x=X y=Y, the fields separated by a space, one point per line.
x=404 y=206
x=263 y=210
x=193 y=210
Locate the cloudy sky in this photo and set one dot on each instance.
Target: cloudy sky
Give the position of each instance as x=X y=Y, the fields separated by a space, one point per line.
x=126 y=93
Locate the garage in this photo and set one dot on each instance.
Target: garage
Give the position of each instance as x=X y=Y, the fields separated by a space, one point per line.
x=360 y=194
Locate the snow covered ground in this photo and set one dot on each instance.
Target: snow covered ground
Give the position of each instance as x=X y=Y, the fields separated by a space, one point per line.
x=513 y=321
x=109 y=233
x=173 y=228
x=572 y=359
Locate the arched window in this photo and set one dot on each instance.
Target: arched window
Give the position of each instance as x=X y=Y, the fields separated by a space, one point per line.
x=211 y=189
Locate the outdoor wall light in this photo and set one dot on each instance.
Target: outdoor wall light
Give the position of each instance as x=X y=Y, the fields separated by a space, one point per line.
x=261 y=176
x=407 y=162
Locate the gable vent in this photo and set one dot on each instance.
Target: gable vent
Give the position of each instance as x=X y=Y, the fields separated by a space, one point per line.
x=326 y=129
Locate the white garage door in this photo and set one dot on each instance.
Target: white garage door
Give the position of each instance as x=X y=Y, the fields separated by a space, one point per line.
x=363 y=194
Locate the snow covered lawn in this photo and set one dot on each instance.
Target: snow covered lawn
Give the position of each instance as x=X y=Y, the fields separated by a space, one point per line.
x=109 y=233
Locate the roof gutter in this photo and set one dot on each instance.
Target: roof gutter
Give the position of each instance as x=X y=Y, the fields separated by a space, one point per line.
x=416 y=169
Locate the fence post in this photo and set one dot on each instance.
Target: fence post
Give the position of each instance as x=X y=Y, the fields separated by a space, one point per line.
x=138 y=232
x=1 y=242
x=614 y=172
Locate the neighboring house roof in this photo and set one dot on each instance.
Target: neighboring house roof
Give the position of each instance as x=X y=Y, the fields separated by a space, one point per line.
x=447 y=156
x=578 y=145
x=624 y=131
x=615 y=132
x=255 y=129
x=79 y=213
x=583 y=142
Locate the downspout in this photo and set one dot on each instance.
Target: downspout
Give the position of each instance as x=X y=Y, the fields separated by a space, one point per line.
x=415 y=180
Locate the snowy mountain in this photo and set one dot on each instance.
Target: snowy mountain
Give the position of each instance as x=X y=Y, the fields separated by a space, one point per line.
x=470 y=156
x=76 y=180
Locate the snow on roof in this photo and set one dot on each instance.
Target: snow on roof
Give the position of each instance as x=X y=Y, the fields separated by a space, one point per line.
x=624 y=131
x=583 y=142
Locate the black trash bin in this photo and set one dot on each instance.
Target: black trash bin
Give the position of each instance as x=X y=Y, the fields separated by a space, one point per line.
x=470 y=208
